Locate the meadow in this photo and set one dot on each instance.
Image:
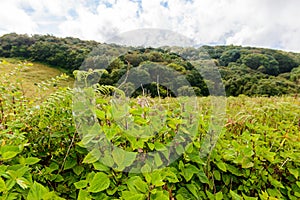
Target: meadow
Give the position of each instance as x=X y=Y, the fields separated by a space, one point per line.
x=46 y=153
x=31 y=76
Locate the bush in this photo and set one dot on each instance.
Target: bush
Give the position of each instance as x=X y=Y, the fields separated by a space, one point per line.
x=42 y=156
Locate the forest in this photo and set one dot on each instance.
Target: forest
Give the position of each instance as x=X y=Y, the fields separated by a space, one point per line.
x=244 y=70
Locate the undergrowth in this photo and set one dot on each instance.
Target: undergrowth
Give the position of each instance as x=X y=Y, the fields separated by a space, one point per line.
x=42 y=156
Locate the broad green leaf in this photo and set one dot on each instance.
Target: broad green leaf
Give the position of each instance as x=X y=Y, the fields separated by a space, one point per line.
x=92 y=156
x=10 y=184
x=31 y=160
x=274 y=182
x=179 y=149
x=52 y=196
x=226 y=179
x=158 y=160
x=140 y=120
x=13 y=174
x=70 y=163
x=195 y=157
x=137 y=184
x=99 y=183
x=249 y=198
x=128 y=195
x=247 y=163
x=181 y=165
x=81 y=184
x=78 y=169
x=100 y=167
x=87 y=138
x=151 y=146
x=229 y=154
x=269 y=156
x=84 y=195
x=222 y=166
x=294 y=172
x=110 y=132
x=3 y=168
x=22 y=160
x=189 y=148
x=274 y=193
x=202 y=176
x=100 y=114
x=171 y=176
x=2 y=185
x=159 y=146
x=123 y=158
x=12 y=196
x=219 y=196
x=248 y=152
x=90 y=176
x=21 y=171
x=217 y=175
x=210 y=195
x=160 y=195
x=235 y=196
x=156 y=178
x=53 y=167
x=183 y=194
x=101 y=196
x=107 y=159
x=193 y=189
x=298 y=183
x=112 y=191
x=234 y=170
x=9 y=155
x=23 y=183
x=37 y=191
x=189 y=171
x=180 y=197
x=59 y=178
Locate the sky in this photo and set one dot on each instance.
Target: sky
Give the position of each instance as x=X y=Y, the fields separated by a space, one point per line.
x=260 y=23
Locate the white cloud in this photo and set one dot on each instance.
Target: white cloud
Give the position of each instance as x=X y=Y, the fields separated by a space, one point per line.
x=14 y=19
x=104 y=23
x=265 y=23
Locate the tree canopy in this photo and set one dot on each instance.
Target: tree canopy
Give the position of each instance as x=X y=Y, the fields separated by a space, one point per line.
x=244 y=70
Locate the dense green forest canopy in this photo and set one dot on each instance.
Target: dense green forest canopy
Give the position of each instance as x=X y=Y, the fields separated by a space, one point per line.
x=244 y=70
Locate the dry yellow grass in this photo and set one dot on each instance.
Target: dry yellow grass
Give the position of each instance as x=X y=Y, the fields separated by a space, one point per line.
x=30 y=75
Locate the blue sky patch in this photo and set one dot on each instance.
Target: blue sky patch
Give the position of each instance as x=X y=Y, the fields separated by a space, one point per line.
x=164 y=4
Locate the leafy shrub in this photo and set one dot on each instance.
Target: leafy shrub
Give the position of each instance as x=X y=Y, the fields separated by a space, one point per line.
x=42 y=156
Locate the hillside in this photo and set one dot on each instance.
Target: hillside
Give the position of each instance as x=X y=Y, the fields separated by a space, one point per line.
x=33 y=79
x=63 y=143
x=244 y=70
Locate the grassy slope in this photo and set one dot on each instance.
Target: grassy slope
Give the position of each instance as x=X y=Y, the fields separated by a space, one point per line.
x=31 y=74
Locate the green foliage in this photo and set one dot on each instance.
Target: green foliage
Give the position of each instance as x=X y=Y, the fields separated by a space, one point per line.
x=18 y=161
x=263 y=63
x=236 y=63
x=286 y=63
x=229 y=56
x=256 y=157
x=295 y=75
x=67 y=53
x=43 y=157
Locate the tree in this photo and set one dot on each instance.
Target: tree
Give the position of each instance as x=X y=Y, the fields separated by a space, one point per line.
x=295 y=75
x=285 y=63
x=229 y=56
x=263 y=63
